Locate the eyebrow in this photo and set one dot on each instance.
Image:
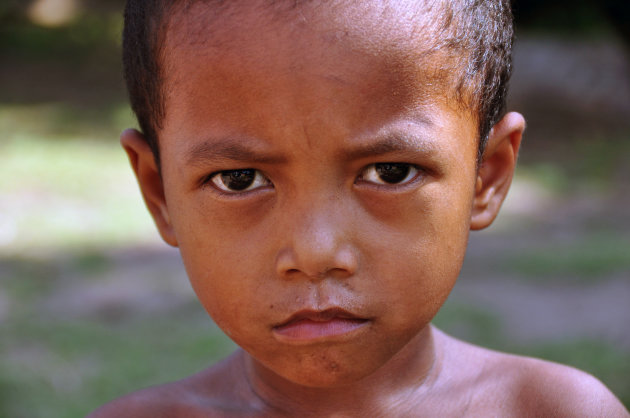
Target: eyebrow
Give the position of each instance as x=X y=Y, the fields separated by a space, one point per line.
x=232 y=149
x=228 y=149
x=392 y=143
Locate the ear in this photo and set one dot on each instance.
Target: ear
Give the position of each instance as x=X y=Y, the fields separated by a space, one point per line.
x=497 y=168
x=150 y=181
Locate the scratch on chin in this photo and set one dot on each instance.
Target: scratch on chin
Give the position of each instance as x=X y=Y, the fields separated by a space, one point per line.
x=307 y=136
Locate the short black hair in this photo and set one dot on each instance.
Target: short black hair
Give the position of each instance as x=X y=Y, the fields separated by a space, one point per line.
x=478 y=33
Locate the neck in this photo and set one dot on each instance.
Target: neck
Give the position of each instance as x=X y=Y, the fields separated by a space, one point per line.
x=395 y=386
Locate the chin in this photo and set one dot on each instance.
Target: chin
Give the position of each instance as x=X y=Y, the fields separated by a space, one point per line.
x=323 y=369
x=324 y=378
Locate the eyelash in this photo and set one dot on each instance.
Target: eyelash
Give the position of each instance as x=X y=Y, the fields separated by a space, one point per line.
x=371 y=174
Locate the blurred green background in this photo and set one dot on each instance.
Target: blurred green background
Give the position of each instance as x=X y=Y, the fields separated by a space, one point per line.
x=93 y=305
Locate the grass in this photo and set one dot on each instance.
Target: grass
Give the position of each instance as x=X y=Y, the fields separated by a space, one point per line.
x=470 y=323
x=592 y=258
x=68 y=193
x=66 y=368
x=59 y=122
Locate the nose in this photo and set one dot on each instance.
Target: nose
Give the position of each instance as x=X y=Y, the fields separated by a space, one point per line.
x=319 y=244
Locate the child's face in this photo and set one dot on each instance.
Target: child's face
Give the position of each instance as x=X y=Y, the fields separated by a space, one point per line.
x=319 y=223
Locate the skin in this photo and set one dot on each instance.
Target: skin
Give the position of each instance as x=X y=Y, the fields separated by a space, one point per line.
x=312 y=113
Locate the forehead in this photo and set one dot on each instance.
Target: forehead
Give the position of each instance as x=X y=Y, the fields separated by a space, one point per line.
x=366 y=59
x=401 y=35
x=372 y=24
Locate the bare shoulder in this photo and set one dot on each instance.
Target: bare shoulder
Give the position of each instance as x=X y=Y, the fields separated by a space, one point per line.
x=155 y=401
x=214 y=392
x=561 y=390
x=523 y=386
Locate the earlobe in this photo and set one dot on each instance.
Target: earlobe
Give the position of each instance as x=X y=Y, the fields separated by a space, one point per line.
x=497 y=168
x=150 y=181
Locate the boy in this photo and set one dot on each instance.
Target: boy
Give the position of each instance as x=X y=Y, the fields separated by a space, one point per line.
x=319 y=164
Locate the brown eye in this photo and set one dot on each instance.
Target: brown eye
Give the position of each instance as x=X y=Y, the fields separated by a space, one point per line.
x=235 y=181
x=392 y=173
x=389 y=173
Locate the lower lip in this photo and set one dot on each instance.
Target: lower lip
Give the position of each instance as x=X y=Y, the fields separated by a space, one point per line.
x=306 y=329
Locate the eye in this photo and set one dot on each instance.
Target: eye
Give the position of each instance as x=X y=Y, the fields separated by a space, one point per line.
x=237 y=181
x=389 y=173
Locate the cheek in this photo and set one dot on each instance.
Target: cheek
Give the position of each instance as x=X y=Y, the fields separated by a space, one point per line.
x=418 y=244
x=226 y=260
x=447 y=226
x=434 y=217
